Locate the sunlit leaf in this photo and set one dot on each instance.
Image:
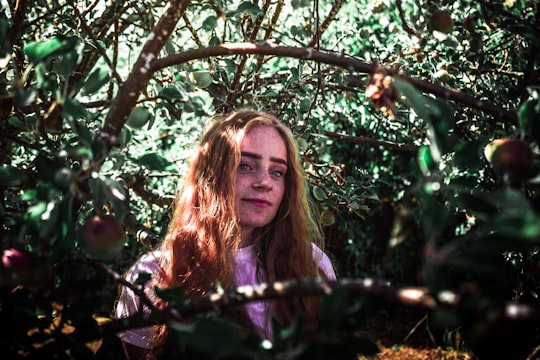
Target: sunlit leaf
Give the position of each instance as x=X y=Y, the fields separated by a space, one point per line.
x=437 y=113
x=35 y=212
x=246 y=7
x=209 y=23
x=25 y=97
x=529 y=119
x=426 y=161
x=40 y=50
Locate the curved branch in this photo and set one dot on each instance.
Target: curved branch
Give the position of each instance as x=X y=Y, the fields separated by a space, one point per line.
x=408 y=296
x=97 y=45
x=366 y=140
x=324 y=26
x=340 y=60
x=140 y=75
x=404 y=23
x=412 y=296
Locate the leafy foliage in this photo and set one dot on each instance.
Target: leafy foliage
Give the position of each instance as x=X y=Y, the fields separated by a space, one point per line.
x=90 y=125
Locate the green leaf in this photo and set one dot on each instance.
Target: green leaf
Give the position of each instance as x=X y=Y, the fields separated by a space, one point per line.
x=426 y=161
x=12 y=176
x=138 y=117
x=437 y=113
x=49 y=221
x=529 y=119
x=209 y=23
x=39 y=51
x=175 y=294
x=476 y=204
x=434 y=215
x=416 y=100
x=24 y=97
x=319 y=193
x=441 y=123
x=34 y=212
x=332 y=309
x=246 y=7
x=524 y=227
x=171 y=92
x=143 y=278
x=96 y=80
x=117 y=196
x=468 y=154
x=67 y=63
x=46 y=167
x=106 y=190
x=154 y=161
x=215 y=336
x=5 y=46
x=124 y=138
x=73 y=109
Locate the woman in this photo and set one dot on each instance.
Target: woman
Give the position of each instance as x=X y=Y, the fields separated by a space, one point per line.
x=242 y=217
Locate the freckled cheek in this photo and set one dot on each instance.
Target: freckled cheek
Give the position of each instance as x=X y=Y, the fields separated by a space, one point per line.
x=280 y=193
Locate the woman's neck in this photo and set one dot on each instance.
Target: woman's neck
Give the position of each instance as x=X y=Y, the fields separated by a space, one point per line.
x=247 y=239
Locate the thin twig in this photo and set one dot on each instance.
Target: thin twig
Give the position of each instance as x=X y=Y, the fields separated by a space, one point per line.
x=366 y=140
x=98 y=46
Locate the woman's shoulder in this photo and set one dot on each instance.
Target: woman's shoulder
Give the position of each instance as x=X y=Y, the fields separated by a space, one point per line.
x=325 y=264
x=147 y=263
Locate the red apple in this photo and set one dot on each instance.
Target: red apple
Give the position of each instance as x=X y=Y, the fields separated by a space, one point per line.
x=19 y=267
x=102 y=233
x=441 y=21
x=469 y=23
x=510 y=156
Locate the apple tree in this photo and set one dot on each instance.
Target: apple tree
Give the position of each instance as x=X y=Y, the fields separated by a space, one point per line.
x=418 y=126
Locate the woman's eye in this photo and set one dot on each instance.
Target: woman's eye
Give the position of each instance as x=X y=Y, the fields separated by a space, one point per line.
x=277 y=173
x=244 y=167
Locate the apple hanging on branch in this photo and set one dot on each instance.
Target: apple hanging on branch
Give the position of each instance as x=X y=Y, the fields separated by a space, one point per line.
x=20 y=267
x=102 y=236
x=510 y=157
x=441 y=21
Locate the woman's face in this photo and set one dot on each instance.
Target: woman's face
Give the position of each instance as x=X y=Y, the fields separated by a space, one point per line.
x=260 y=179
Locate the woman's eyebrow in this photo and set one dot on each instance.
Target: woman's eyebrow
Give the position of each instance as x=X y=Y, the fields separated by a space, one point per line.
x=258 y=157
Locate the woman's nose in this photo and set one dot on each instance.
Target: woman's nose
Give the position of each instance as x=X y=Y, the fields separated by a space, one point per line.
x=263 y=181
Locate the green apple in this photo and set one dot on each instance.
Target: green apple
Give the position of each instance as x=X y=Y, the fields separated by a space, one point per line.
x=138 y=117
x=201 y=78
x=327 y=218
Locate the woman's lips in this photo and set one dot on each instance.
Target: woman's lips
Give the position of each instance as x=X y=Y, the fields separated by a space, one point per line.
x=258 y=202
